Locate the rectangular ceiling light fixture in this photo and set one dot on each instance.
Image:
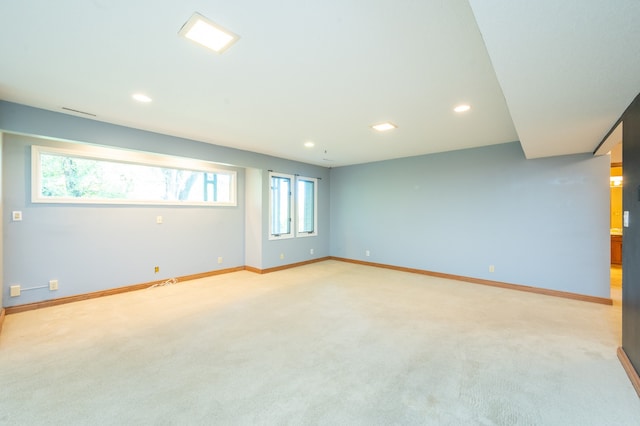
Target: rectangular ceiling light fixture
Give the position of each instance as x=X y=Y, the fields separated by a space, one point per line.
x=203 y=31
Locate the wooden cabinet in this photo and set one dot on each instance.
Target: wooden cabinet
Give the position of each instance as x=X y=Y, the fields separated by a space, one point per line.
x=616 y=249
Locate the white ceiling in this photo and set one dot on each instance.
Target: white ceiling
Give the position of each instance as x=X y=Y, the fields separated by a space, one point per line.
x=554 y=75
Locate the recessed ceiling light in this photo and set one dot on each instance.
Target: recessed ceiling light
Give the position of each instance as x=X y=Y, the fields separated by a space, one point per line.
x=383 y=127
x=141 y=97
x=309 y=144
x=462 y=108
x=203 y=31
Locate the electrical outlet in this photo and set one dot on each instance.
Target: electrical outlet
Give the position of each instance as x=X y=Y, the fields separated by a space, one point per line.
x=158 y=219
x=492 y=268
x=311 y=251
x=281 y=255
x=14 y=290
x=220 y=260
x=53 y=285
x=367 y=253
x=156 y=269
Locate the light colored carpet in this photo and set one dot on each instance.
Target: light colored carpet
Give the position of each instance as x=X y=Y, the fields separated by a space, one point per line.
x=616 y=285
x=330 y=343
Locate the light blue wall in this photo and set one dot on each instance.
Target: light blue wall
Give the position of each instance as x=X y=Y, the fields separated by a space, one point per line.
x=95 y=247
x=541 y=223
x=91 y=248
x=254 y=235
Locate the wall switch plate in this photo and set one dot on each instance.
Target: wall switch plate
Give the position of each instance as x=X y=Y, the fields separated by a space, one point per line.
x=625 y=219
x=53 y=285
x=159 y=219
x=16 y=216
x=14 y=290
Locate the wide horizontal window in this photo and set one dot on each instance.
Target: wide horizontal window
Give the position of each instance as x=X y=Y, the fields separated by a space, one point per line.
x=89 y=174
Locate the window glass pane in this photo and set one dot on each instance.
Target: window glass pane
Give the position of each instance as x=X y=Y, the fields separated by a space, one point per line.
x=64 y=177
x=280 y=205
x=306 y=206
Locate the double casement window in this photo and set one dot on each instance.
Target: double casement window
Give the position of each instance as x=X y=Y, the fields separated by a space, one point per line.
x=293 y=206
x=99 y=175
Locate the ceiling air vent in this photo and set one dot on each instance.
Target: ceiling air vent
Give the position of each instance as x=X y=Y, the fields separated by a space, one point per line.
x=78 y=111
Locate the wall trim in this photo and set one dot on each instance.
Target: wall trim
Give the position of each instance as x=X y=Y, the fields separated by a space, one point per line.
x=102 y=293
x=288 y=266
x=631 y=371
x=109 y=292
x=519 y=287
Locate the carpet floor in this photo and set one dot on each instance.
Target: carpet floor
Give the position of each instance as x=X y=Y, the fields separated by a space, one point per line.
x=330 y=343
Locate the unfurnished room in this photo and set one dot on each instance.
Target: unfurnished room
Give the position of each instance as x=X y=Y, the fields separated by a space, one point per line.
x=320 y=212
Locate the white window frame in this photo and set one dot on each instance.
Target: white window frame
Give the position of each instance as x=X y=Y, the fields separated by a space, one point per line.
x=292 y=180
x=315 y=206
x=93 y=152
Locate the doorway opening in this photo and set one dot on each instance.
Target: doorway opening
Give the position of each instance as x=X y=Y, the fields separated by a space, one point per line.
x=616 y=219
